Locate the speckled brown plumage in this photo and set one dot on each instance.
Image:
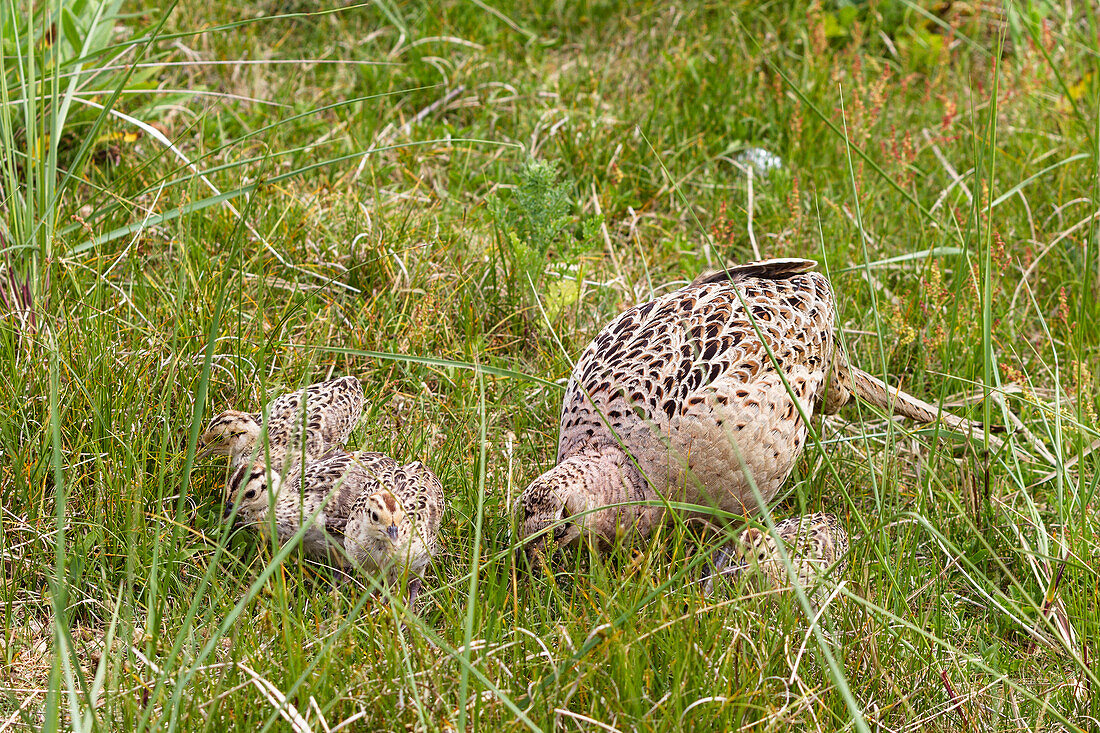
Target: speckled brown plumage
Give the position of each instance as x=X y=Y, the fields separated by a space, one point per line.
x=364 y=508
x=816 y=545
x=332 y=410
x=393 y=527
x=679 y=398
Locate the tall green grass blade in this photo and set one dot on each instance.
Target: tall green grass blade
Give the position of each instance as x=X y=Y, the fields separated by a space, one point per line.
x=475 y=565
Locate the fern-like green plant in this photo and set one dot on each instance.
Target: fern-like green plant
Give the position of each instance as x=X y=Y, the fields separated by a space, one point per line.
x=534 y=224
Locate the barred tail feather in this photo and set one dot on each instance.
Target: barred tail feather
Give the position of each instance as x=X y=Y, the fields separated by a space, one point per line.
x=778 y=269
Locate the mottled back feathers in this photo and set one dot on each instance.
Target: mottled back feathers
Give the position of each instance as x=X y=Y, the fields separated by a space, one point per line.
x=776 y=269
x=686 y=383
x=352 y=477
x=814 y=544
x=332 y=410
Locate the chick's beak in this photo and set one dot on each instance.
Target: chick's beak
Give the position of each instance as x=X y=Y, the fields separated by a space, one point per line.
x=228 y=509
x=392 y=532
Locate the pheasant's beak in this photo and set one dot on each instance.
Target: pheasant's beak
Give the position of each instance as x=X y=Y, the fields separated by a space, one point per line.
x=392 y=532
x=228 y=509
x=533 y=557
x=532 y=553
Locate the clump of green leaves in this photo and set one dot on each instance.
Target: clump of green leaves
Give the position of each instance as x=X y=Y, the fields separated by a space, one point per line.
x=540 y=206
x=536 y=229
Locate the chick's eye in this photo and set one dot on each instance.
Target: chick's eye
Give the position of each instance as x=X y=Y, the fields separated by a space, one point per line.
x=374 y=516
x=250 y=493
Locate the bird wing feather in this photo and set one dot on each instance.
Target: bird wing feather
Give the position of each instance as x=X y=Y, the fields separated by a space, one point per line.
x=332 y=410
x=776 y=269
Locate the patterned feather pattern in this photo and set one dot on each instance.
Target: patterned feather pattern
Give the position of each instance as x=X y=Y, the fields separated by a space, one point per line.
x=686 y=383
x=332 y=410
x=699 y=396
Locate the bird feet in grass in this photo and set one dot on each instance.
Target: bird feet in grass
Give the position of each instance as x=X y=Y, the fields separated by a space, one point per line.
x=414 y=586
x=385 y=595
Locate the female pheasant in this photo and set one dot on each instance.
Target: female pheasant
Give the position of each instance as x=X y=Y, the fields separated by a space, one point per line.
x=695 y=397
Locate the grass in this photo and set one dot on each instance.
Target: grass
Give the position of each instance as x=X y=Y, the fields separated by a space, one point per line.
x=367 y=207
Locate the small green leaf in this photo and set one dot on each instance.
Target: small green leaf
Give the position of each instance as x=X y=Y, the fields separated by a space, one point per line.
x=833 y=28
x=72 y=32
x=560 y=295
x=847 y=16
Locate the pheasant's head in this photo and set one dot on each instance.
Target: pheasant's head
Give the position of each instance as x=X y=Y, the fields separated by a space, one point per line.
x=542 y=516
x=754 y=547
x=232 y=433
x=386 y=519
x=251 y=489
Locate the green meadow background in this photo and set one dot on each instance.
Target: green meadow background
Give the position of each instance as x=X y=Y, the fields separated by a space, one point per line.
x=205 y=206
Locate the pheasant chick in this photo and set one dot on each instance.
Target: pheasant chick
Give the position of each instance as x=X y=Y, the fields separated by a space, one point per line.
x=814 y=543
x=331 y=411
x=264 y=500
x=386 y=542
x=394 y=533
